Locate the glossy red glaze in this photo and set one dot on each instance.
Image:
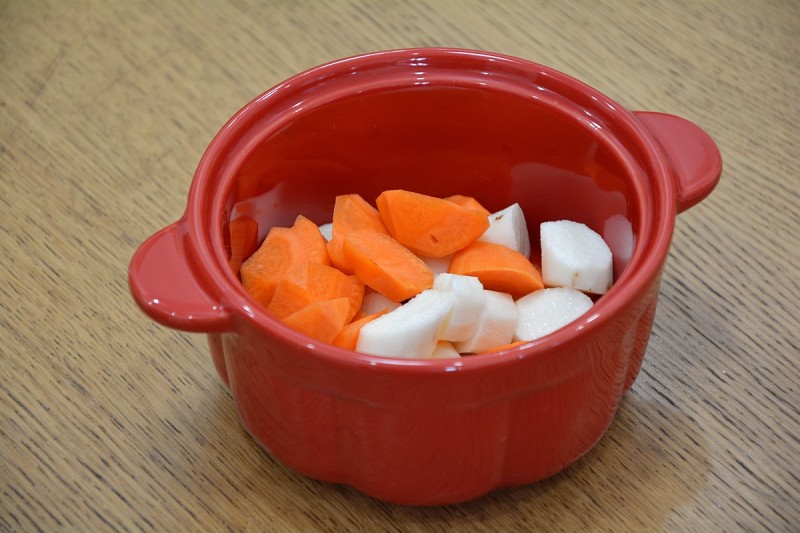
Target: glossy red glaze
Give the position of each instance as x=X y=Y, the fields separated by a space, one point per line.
x=437 y=121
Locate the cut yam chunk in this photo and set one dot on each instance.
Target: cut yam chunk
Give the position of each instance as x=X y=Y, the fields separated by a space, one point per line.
x=386 y=266
x=313 y=282
x=327 y=231
x=467 y=306
x=411 y=331
x=445 y=350
x=282 y=249
x=574 y=255
x=375 y=302
x=547 y=310
x=321 y=320
x=498 y=267
x=496 y=324
x=429 y=226
x=437 y=265
x=508 y=227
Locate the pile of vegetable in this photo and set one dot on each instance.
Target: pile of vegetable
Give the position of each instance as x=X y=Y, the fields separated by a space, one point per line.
x=421 y=277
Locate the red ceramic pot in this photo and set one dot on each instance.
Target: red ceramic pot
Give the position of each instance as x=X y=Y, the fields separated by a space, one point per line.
x=441 y=122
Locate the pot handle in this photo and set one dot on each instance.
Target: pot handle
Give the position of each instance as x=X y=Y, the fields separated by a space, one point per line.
x=165 y=286
x=693 y=153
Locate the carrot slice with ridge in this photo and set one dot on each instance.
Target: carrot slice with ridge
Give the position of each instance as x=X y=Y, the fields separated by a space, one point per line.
x=386 y=266
x=321 y=320
x=313 y=282
x=348 y=337
x=498 y=267
x=468 y=202
x=429 y=226
x=243 y=240
x=351 y=213
x=282 y=249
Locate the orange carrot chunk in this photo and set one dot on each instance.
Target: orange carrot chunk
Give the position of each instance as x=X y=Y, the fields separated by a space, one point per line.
x=504 y=347
x=351 y=213
x=498 y=267
x=314 y=282
x=271 y=256
x=243 y=240
x=282 y=249
x=321 y=320
x=468 y=202
x=348 y=337
x=386 y=266
x=429 y=226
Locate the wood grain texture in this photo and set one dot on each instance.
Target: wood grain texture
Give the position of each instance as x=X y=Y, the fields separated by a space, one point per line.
x=111 y=422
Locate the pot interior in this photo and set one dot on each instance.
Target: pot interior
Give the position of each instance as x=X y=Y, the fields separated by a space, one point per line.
x=500 y=144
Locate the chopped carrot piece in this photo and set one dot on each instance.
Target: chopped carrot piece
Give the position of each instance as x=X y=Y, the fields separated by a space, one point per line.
x=386 y=266
x=243 y=240
x=504 y=347
x=348 y=337
x=282 y=249
x=429 y=226
x=270 y=257
x=351 y=213
x=314 y=282
x=498 y=267
x=321 y=320
x=468 y=202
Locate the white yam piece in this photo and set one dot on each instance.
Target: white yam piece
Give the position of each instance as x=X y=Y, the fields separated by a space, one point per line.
x=574 y=255
x=467 y=306
x=508 y=227
x=438 y=265
x=445 y=350
x=375 y=302
x=546 y=310
x=496 y=324
x=327 y=230
x=411 y=331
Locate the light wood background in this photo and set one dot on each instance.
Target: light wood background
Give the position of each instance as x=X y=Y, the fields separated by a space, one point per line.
x=111 y=422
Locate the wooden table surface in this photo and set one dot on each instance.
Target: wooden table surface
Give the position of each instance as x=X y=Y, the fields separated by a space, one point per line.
x=109 y=421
